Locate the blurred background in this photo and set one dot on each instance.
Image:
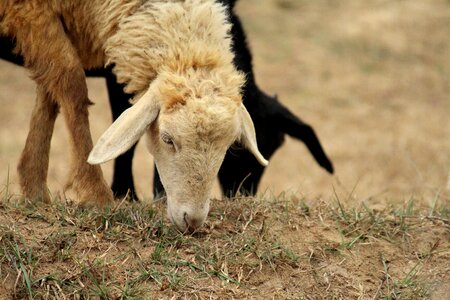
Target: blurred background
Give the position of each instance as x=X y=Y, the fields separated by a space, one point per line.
x=372 y=78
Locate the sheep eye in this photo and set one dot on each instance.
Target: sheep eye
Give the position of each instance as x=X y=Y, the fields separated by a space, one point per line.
x=166 y=138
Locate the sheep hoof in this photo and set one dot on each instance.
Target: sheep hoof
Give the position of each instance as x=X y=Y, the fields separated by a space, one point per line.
x=40 y=197
x=89 y=191
x=99 y=196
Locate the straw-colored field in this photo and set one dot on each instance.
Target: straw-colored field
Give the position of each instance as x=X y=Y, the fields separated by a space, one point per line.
x=373 y=79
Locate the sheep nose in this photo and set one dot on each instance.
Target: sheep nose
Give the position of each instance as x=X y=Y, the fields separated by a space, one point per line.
x=192 y=222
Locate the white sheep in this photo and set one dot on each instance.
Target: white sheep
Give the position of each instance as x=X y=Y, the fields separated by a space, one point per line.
x=175 y=56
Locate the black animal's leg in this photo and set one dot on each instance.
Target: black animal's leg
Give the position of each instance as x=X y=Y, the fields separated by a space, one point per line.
x=240 y=172
x=123 y=177
x=7 y=46
x=158 y=188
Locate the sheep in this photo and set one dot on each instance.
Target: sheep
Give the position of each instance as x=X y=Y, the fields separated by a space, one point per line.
x=240 y=172
x=239 y=169
x=174 y=56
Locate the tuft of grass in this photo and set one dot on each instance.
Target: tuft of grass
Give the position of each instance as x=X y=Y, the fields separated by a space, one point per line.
x=411 y=286
x=20 y=259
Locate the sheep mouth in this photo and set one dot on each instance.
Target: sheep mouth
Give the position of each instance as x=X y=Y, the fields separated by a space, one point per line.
x=189 y=229
x=183 y=229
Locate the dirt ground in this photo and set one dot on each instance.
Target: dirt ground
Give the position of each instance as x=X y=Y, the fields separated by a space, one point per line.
x=255 y=248
x=372 y=78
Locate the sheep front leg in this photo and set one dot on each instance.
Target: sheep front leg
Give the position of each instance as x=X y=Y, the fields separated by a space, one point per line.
x=33 y=164
x=85 y=180
x=56 y=67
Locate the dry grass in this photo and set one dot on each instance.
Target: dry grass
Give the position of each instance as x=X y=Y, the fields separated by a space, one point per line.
x=281 y=248
x=372 y=77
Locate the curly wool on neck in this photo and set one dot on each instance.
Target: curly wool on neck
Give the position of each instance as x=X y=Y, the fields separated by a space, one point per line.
x=169 y=37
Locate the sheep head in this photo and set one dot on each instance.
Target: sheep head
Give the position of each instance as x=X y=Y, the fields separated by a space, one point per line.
x=188 y=133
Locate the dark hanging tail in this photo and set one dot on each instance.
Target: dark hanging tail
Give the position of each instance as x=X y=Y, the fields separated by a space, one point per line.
x=296 y=128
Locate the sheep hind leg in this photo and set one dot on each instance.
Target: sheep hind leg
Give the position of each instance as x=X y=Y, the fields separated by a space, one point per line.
x=33 y=164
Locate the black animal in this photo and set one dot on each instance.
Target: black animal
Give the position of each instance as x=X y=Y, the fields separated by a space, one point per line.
x=272 y=121
x=240 y=170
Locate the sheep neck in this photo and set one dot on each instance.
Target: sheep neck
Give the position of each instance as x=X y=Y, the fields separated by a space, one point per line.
x=173 y=37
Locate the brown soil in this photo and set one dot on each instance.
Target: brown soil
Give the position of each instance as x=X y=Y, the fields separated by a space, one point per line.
x=276 y=248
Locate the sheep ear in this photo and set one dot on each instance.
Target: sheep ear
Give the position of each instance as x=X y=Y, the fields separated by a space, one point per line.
x=248 y=135
x=126 y=130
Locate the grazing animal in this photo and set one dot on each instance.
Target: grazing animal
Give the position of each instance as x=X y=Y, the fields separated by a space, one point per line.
x=271 y=119
x=175 y=56
x=240 y=171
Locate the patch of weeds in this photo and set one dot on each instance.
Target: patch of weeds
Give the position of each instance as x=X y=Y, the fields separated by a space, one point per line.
x=166 y=275
x=59 y=244
x=130 y=252
x=125 y=220
x=439 y=211
x=70 y=215
x=259 y=248
x=134 y=220
x=304 y=207
x=246 y=245
x=275 y=253
x=26 y=208
x=360 y=224
x=58 y=286
x=281 y=207
x=5 y=195
x=348 y=244
x=167 y=245
x=409 y=215
x=21 y=258
x=403 y=213
x=161 y=264
x=132 y=216
x=97 y=278
x=341 y=213
x=202 y=269
x=350 y=226
x=408 y=287
x=130 y=291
